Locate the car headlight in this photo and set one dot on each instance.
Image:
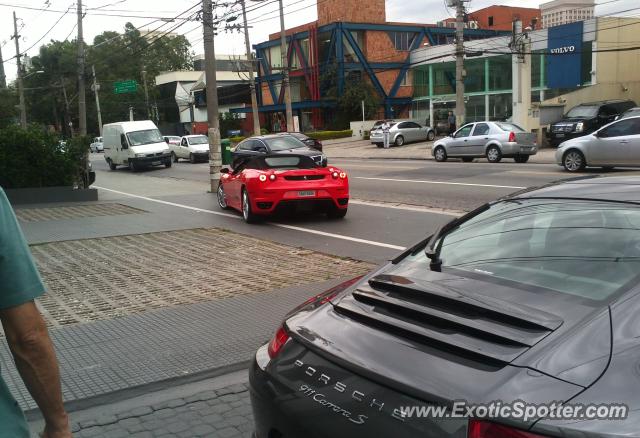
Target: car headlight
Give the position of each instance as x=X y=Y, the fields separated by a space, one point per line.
x=580 y=127
x=141 y=155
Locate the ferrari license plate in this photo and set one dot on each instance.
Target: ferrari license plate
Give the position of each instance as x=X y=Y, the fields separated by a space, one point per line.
x=156 y=163
x=307 y=193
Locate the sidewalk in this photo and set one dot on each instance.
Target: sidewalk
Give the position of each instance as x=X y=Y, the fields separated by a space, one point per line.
x=349 y=148
x=142 y=297
x=218 y=407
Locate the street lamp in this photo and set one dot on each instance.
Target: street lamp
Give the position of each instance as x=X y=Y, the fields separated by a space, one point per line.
x=39 y=72
x=23 y=106
x=285 y=68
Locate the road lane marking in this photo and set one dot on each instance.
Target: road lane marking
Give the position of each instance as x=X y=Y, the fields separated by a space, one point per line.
x=438 y=182
x=233 y=216
x=407 y=207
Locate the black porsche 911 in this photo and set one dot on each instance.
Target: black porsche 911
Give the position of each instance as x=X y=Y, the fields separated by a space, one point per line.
x=532 y=300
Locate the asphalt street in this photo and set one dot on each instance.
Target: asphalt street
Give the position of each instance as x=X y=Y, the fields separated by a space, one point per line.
x=395 y=202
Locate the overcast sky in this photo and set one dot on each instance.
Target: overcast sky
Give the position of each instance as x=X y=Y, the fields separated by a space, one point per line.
x=263 y=17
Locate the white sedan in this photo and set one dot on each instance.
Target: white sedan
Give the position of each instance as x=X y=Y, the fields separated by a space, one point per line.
x=191 y=147
x=402 y=133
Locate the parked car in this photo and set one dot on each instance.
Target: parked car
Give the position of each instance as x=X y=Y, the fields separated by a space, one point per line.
x=194 y=148
x=276 y=144
x=172 y=139
x=616 y=144
x=402 y=133
x=137 y=145
x=264 y=184
x=532 y=299
x=493 y=140
x=311 y=142
x=97 y=145
x=633 y=112
x=586 y=118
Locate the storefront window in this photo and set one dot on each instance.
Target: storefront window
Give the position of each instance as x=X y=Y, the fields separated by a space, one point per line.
x=500 y=107
x=500 y=73
x=421 y=81
x=420 y=111
x=475 y=109
x=536 y=66
x=444 y=78
x=475 y=80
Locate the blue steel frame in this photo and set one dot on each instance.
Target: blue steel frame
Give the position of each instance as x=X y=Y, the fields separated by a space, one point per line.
x=339 y=33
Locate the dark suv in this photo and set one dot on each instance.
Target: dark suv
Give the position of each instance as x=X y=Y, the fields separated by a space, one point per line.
x=586 y=118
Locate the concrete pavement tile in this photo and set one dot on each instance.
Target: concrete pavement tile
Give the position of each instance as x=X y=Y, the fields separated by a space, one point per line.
x=203 y=430
x=177 y=426
x=229 y=432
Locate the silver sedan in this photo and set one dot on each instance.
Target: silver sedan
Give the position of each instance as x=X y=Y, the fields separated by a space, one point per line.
x=403 y=132
x=493 y=140
x=616 y=144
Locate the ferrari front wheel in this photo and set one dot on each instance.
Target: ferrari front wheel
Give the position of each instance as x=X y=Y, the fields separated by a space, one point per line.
x=222 y=201
x=247 y=213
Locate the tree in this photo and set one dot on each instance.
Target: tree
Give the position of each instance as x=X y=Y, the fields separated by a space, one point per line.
x=349 y=103
x=116 y=57
x=8 y=109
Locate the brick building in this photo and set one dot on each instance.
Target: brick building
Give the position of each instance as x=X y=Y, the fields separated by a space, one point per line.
x=498 y=17
x=351 y=41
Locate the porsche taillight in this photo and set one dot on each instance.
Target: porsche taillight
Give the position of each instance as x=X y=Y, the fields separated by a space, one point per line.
x=277 y=342
x=485 y=429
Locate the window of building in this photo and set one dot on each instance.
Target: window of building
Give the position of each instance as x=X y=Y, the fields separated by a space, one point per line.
x=402 y=40
x=491 y=21
x=475 y=80
x=421 y=81
x=444 y=78
x=500 y=73
x=500 y=106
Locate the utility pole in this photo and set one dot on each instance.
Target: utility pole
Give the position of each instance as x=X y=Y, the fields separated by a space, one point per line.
x=146 y=93
x=215 y=157
x=460 y=74
x=3 y=77
x=252 y=82
x=23 y=108
x=96 y=89
x=131 y=114
x=82 y=103
x=285 y=71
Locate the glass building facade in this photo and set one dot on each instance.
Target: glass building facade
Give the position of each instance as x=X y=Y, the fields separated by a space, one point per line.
x=488 y=86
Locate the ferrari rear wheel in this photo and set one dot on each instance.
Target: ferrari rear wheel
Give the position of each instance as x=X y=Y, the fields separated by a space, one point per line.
x=222 y=202
x=247 y=214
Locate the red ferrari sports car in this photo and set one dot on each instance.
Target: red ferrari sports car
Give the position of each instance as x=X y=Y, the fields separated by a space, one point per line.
x=265 y=184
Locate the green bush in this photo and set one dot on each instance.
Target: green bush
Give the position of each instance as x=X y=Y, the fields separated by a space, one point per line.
x=264 y=131
x=33 y=158
x=330 y=135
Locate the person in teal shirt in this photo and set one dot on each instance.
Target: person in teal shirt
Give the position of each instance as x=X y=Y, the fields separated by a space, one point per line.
x=26 y=334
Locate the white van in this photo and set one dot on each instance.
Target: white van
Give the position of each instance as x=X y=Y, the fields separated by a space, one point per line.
x=135 y=144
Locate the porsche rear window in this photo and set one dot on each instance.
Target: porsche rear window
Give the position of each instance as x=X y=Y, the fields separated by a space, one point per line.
x=585 y=248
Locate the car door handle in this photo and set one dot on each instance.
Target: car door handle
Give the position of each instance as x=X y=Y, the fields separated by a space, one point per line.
x=466 y=140
x=486 y=138
x=624 y=141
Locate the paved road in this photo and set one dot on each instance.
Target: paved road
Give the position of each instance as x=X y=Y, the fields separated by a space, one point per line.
x=410 y=199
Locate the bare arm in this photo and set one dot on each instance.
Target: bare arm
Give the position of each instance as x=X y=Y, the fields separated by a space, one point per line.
x=35 y=359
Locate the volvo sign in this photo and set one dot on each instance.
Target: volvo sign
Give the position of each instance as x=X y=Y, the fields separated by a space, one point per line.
x=564 y=56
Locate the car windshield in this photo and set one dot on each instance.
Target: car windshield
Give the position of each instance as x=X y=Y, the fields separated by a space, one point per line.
x=510 y=127
x=585 y=248
x=284 y=143
x=148 y=136
x=582 y=112
x=201 y=139
x=631 y=113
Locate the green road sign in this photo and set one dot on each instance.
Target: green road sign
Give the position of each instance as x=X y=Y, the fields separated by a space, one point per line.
x=125 y=87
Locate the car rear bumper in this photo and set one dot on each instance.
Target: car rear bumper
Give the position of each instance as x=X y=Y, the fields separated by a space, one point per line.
x=301 y=394
x=267 y=201
x=513 y=149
